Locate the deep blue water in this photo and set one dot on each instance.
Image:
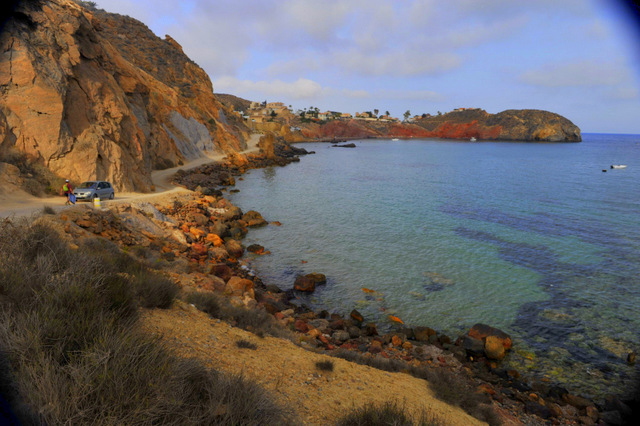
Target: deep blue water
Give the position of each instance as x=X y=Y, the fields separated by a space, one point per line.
x=532 y=238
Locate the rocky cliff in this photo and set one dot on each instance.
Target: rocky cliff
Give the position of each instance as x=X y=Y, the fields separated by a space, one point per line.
x=514 y=125
x=94 y=95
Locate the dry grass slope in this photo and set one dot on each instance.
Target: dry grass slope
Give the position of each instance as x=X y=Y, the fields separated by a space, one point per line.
x=72 y=351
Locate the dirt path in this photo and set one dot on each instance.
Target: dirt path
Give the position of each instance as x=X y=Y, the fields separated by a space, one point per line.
x=19 y=203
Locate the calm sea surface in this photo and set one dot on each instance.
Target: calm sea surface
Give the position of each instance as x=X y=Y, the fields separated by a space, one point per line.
x=532 y=238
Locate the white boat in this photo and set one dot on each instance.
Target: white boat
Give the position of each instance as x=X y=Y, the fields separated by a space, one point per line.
x=473 y=139
x=618 y=166
x=395 y=139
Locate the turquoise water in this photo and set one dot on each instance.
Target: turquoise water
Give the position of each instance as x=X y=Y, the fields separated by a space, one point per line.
x=532 y=238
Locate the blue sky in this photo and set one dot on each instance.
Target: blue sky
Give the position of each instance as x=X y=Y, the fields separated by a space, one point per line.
x=579 y=58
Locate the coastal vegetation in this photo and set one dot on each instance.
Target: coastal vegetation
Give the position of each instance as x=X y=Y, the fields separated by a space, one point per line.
x=72 y=350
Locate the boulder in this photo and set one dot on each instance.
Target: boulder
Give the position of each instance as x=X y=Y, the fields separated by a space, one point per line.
x=472 y=345
x=255 y=248
x=481 y=331
x=219 y=228
x=237 y=286
x=370 y=329
x=422 y=333
x=221 y=270
x=198 y=233
x=214 y=239
x=218 y=253
x=317 y=278
x=234 y=248
x=303 y=283
x=494 y=348
x=356 y=316
x=354 y=332
x=232 y=213
x=301 y=326
x=340 y=336
x=253 y=219
x=198 y=250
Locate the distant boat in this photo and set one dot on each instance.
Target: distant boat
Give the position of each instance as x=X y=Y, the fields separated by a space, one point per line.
x=395 y=139
x=618 y=166
x=473 y=139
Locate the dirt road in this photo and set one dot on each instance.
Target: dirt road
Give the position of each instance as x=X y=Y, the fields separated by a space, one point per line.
x=19 y=203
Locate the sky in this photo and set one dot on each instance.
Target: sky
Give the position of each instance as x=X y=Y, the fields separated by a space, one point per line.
x=578 y=58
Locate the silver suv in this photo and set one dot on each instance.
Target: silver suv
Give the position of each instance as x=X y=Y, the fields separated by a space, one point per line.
x=94 y=189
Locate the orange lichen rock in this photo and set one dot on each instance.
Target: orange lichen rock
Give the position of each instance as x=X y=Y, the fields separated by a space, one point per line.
x=394 y=318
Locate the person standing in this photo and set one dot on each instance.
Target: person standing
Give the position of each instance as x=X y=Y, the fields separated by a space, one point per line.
x=67 y=190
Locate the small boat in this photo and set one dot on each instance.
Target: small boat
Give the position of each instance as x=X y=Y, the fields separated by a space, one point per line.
x=395 y=139
x=472 y=139
x=618 y=166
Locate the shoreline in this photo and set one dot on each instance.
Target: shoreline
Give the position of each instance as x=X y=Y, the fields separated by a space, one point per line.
x=469 y=354
x=330 y=333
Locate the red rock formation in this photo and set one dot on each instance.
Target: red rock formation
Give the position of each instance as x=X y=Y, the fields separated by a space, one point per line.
x=519 y=125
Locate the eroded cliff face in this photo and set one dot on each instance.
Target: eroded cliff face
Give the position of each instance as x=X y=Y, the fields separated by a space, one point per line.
x=94 y=95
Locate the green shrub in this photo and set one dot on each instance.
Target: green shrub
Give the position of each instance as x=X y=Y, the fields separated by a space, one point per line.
x=387 y=414
x=325 y=365
x=154 y=290
x=206 y=302
x=245 y=344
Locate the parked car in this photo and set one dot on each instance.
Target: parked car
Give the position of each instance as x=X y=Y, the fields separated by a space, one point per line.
x=94 y=189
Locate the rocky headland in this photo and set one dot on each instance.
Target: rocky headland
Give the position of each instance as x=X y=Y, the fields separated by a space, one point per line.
x=512 y=125
x=95 y=95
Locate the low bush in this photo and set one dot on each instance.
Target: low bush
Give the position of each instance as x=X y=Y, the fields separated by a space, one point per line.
x=71 y=351
x=245 y=344
x=206 y=302
x=454 y=389
x=154 y=290
x=256 y=321
x=48 y=210
x=448 y=386
x=387 y=414
x=325 y=365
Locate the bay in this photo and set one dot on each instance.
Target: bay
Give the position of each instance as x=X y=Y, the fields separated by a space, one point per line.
x=532 y=238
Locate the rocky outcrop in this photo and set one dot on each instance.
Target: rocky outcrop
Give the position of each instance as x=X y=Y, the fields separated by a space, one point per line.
x=515 y=125
x=512 y=125
x=94 y=95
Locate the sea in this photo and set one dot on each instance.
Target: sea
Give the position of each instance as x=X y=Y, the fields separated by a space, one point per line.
x=541 y=240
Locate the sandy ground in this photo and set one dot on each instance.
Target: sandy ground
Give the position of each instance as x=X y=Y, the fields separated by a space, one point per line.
x=289 y=373
x=15 y=202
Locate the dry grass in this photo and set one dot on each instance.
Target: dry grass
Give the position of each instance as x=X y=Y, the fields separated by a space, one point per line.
x=450 y=387
x=71 y=351
x=387 y=414
x=256 y=321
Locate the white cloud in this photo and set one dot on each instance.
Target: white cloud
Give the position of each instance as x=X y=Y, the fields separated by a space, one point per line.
x=398 y=63
x=576 y=74
x=299 y=89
